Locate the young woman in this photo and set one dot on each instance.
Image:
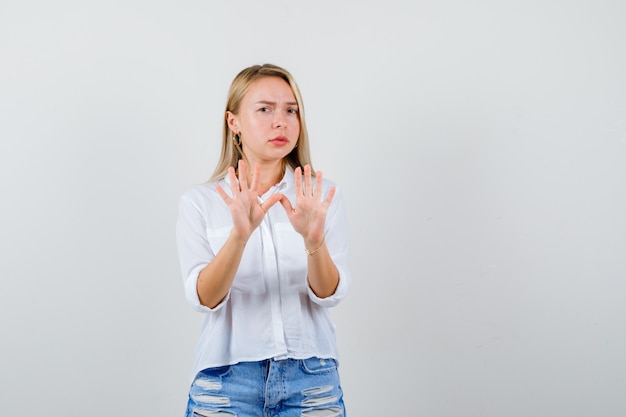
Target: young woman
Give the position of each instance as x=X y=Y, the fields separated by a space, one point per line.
x=263 y=249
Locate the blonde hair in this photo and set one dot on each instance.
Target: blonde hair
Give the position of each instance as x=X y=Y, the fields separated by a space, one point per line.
x=231 y=151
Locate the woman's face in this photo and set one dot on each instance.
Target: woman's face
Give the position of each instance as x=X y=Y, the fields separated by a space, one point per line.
x=267 y=120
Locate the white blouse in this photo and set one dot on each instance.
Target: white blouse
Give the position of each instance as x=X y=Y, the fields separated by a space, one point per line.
x=270 y=310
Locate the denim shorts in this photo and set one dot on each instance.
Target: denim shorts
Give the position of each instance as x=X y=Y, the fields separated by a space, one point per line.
x=269 y=388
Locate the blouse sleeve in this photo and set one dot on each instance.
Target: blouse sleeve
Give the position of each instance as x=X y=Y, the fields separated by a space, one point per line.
x=194 y=250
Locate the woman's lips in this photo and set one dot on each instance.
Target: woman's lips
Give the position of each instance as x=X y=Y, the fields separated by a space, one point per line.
x=279 y=141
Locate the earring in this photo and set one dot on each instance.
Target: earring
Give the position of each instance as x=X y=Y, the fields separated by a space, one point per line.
x=236 y=139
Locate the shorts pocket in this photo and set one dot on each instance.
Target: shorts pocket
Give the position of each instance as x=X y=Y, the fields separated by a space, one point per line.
x=217 y=372
x=318 y=365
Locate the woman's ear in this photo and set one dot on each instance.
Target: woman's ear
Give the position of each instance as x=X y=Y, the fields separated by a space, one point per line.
x=233 y=123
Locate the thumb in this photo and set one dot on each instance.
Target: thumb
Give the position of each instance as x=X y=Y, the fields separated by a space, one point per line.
x=284 y=201
x=271 y=200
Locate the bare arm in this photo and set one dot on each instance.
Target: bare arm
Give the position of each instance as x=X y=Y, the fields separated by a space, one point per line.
x=215 y=279
x=322 y=272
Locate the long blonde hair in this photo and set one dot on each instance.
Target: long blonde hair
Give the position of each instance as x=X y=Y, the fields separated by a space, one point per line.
x=231 y=151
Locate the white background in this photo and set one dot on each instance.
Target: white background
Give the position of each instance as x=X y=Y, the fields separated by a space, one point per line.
x=480 y=146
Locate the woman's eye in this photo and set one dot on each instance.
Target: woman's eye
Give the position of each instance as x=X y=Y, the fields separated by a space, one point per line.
x=264 y=109
x=293 y=111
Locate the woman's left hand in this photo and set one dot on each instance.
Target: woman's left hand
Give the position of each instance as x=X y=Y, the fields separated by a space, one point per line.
x=309 y=214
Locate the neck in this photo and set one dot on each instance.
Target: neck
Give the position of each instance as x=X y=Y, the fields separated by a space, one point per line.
x=271 y=174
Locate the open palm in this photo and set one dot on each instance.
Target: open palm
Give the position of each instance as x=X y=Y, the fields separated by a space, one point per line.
x=244 y=205
x=309 y=214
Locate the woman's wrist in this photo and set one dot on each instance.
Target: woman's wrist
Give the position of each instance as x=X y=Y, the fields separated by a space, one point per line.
x=312 y=247
x=238 y=238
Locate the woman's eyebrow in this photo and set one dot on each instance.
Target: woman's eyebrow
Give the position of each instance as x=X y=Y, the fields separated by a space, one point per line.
x=273 y=103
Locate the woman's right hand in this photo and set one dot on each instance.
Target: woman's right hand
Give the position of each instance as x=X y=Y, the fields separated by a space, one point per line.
x=246 y=209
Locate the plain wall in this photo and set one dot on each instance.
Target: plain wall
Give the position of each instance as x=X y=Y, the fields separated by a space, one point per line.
x=480 y=146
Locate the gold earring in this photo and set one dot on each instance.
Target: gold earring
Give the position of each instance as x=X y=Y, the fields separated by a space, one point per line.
x=236 y=139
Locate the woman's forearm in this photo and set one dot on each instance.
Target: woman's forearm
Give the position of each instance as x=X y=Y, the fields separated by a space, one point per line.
x=322 y=273
x=215 y=279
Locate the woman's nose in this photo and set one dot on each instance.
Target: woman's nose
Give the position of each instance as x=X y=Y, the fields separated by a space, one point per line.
x=279 y=121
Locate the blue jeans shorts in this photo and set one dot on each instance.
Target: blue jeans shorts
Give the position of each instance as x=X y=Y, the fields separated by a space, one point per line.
x=269 y=388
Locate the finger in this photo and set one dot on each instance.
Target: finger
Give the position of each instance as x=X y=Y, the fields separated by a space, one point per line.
x=271 y=200
x=297 y=178
x=255 y=177
x=308 y=182
x=233 y=180
x=331 y=194
x=284 y=201
x=223 y=194
x=243 y=175
x=318 y=186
